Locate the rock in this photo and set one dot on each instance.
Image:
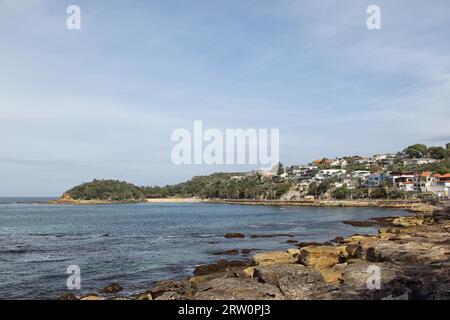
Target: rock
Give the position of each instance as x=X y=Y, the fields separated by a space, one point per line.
x=293 y=252
x=355 y=251
x=227 y=252
x=333 y=274
x=237 y=289
x=408 y=221
x=68 y=296
x=234 y=235
x=246 y=251
x=144 y=296
x=291 y=241
x=91 y=297
x=219 y=266
x=355 y=275
x=179 y=288
x=409 y=252
x=294 y=281
x=253 y=236
x=322 y=257
x=306 y=244
x=169 y=295
x=272 y=257
x=112 y=288
x=249 y=271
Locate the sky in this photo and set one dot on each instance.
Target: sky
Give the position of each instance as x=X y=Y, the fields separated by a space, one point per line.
x=102 y=102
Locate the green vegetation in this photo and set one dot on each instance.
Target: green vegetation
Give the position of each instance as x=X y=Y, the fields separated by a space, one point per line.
x=105 y=190
x=217 y=185
x=416 y=151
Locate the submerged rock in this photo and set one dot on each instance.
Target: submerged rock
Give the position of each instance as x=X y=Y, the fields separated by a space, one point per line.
x=234 y=235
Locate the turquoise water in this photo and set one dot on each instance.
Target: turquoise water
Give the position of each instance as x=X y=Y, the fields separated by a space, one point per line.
x=138 y=244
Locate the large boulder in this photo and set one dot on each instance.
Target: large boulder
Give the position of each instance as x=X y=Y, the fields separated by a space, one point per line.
x=272 y=257
x=237 y=289
x=296 y=282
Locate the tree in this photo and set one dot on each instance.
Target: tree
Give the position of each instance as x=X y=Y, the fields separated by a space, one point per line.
x=341 y=193
x=378 y=193
x=447 y=146
x=280 y=169
x=416 y=151
x=437 y=152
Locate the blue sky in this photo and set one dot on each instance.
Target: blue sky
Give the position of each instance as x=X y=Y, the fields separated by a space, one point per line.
x=102 y=102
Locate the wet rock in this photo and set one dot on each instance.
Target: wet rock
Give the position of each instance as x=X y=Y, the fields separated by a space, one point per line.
x=219 y=266
x=237 y=289
x=272 y=257
x=291 y=241
x=169 y=288
x=246 y=251
x=227 y=252
x=306 y=244
x=112 y=288
x=68 y=296
x=234 y=235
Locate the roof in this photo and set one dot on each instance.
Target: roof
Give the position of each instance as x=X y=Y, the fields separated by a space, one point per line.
x=425 y=174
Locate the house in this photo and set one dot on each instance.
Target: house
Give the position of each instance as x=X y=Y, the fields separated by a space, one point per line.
x=376 y=180
x=360 y=174
x=423 y=181
x=443 y=179
x=418 y=161
x=407 y=186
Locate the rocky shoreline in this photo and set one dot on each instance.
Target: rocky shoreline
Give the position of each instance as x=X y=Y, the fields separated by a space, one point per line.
x=410 y=254
x=409 y=205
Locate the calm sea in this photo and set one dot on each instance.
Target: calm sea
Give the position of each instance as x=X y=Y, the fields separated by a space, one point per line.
x=138 y=244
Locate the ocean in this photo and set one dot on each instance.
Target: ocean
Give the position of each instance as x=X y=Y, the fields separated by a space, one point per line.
x=136 y=245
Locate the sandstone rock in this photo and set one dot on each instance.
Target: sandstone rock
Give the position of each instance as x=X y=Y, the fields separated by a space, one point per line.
x=144 y=296
x=333 y=274
x=237 y=289
x=272 y=257
x=408 y=221
x=322 y=257
x=112 y=288
x=294 y=281
x=249 y=271
x=91 y=298
x=356 y=275
x=293 y=252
